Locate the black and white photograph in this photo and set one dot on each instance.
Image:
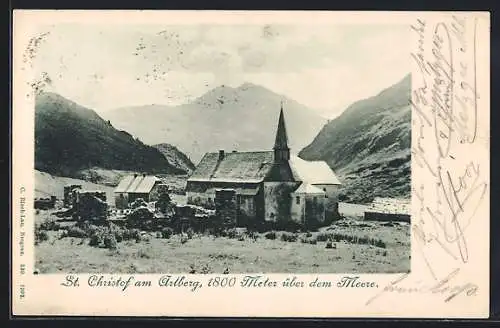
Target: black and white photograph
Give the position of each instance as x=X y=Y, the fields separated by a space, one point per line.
x=206 y=148
x=234 y=163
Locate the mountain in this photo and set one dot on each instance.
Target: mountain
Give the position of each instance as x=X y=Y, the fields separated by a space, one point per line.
x=242 y=118
x=175 y=157
x=70 y=138
x=368 y=145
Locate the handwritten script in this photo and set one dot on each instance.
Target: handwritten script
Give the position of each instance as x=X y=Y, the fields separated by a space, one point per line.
x=449 y=186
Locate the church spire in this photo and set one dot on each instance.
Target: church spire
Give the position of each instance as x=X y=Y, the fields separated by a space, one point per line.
x=281 y=150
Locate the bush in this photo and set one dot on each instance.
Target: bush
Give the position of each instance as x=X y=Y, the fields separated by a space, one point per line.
x=329 y=244
x=110 y=241
x=308 y=234
x=166 y=233
x=95 y=240
x=40 y=236
x=312 y=241
x=232 y=233
x=289 y=237
x=76 y=232
x=253 y=235
x=50 y=225
x=206 y=269
x=270 y=235
x=118 y=235
x=129 y=234
x=380 y=243
x=324 y=236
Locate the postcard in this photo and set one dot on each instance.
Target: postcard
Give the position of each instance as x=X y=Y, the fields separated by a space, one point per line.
x=250 y=164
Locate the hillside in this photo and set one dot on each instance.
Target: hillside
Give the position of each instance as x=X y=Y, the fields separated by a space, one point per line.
x=368 y=145
x=176 y=157
x=70 y=138
x=242 y=118
x=47 y=185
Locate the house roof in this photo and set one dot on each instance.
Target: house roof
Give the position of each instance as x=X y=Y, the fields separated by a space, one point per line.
x=306 y=188
x=137 y=184
x=250 y=167
x=314 y=172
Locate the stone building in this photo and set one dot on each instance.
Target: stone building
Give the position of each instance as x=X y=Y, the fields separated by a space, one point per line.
x=266 y=184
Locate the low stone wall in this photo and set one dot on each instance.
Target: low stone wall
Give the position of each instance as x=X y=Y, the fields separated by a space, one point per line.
x=375 y=216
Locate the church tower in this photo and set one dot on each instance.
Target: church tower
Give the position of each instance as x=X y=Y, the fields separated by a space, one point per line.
x=281 y=149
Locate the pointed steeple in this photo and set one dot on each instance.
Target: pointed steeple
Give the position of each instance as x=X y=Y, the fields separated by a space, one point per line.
x=281 y=150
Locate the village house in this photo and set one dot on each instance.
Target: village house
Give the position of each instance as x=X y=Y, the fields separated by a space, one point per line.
x=271 y=186
x=136 y=186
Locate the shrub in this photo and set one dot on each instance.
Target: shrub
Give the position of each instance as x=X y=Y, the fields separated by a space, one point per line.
x=308 y=234
x=232 y=233
x=289 y=237
x=132 y=234
x=95 y=240
x=270 y=235
x=329 y=244
x=312 y=241
x=380 y=243
x=324 y=237
x=206 y=269
x=50 y=225
x=253 y=235
x=159 y=235
x=166 y=233
x=118 y=235
x=76 y=232
x=110 y=241
x=40 y=236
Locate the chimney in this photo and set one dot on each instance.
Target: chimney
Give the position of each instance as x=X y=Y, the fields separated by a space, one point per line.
x=221 y=154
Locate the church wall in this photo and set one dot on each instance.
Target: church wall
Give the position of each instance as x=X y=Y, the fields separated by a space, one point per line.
x=277 y=203
x=297 y=208
x=314 y=210
x=331 y=200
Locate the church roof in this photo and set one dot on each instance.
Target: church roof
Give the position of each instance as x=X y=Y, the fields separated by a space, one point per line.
x=306 y=188
x=281 y=141
x=250 y=167
x=253 y=167
x=314 y=172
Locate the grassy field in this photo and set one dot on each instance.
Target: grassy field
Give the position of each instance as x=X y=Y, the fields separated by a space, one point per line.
x=239 y=254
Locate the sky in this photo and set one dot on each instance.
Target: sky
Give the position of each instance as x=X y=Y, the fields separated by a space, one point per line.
x=327 y=68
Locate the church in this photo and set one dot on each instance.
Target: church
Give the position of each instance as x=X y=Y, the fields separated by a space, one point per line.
x=266 y=186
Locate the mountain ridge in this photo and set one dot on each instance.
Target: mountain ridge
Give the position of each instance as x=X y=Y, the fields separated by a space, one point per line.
x=368 y=145
x=243 y=118
x=70 y=138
